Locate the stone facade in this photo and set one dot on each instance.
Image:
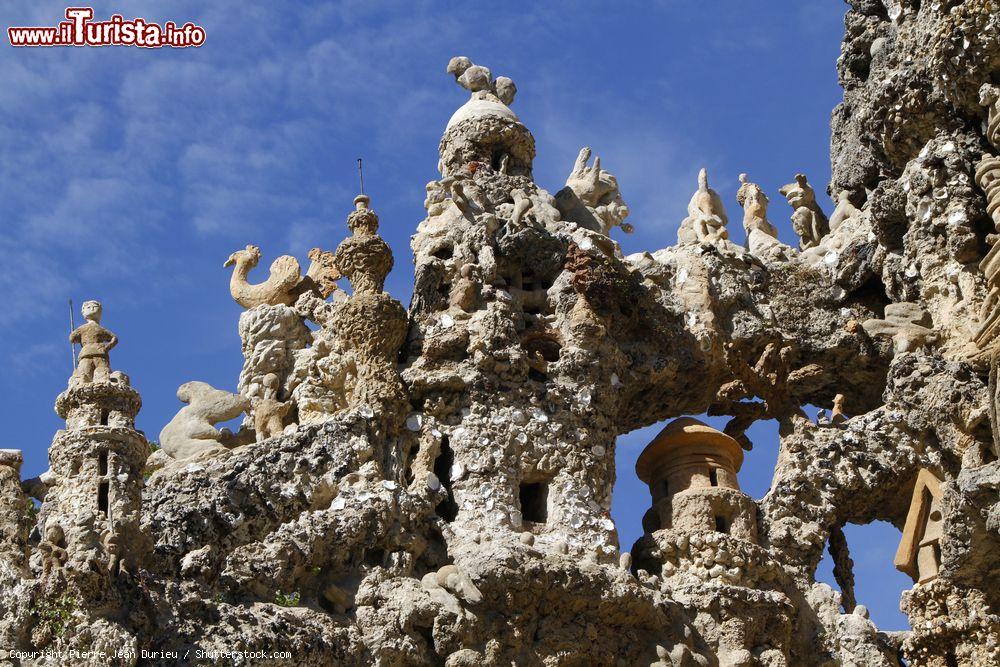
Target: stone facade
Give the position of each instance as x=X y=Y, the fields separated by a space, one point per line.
x=432 y=485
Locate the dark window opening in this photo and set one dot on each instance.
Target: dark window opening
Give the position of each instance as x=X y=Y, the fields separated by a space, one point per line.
x=721 y=525
x=447 y=509
x=533 y=309
x=104 y=417
x=536 y=375
x=497 y=159
x=409 y=467
x=444 y=252
x=513 y=279
x=102 y=464
x=651 y=521
x=713 y=476
x=374 y=557
x=950 y=659
x=428 y=635
x=535 y=502
x=102 y=498
x=542 y=343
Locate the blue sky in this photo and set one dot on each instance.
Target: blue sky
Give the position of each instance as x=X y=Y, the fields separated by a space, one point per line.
x=129 y=175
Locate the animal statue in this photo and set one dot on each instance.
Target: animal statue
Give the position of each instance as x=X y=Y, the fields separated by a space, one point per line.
x=808 y=220
x=285 y=282
x=707 y=219
x=192 y=429
x=592 y=198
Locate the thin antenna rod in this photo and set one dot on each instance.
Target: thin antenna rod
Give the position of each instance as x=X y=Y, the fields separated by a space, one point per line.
x=72 y=328
x=361 y=175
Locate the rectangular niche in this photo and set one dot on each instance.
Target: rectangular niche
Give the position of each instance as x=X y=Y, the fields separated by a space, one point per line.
x=103 y=493
x=534 y=497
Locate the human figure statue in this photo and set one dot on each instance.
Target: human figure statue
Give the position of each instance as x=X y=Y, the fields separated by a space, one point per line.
x=268 y=412
x=989 y=97
x=53 y=549
x=465 y=293
x=761 y=234
x=845 y=210
x=522 y=204
x=95 y=342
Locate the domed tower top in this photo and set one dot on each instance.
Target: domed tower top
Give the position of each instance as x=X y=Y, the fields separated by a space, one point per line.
x=485 y=130
x=689 y=454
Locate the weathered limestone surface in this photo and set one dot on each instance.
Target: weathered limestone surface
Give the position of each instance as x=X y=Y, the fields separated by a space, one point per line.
x=432 y=485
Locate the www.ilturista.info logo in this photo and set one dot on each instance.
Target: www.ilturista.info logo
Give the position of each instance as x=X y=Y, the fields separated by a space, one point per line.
x=81 y=30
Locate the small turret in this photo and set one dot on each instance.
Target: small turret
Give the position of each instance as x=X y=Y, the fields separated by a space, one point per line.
x=691 y=472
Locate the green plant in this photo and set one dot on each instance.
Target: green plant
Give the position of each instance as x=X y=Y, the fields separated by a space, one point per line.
x=283 y=599
x=54 y=613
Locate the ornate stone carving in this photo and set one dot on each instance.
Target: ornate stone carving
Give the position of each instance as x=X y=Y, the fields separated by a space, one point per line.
x=919 y=552
x=370 y=323
x=907 y=323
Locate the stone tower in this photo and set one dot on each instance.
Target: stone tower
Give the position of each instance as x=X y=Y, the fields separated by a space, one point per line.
x=92 y=509
x=701 y=538
x=691 y=472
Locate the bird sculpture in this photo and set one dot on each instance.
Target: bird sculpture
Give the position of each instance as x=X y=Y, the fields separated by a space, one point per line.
x=285 y=282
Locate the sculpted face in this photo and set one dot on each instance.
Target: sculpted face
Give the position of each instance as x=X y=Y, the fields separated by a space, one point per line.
x=91 y=310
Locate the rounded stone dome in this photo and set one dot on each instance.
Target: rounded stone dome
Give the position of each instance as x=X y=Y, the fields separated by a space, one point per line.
x=477 y=108
x=685 y=439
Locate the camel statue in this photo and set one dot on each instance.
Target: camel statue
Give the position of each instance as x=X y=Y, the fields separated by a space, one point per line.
x=285 y=282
